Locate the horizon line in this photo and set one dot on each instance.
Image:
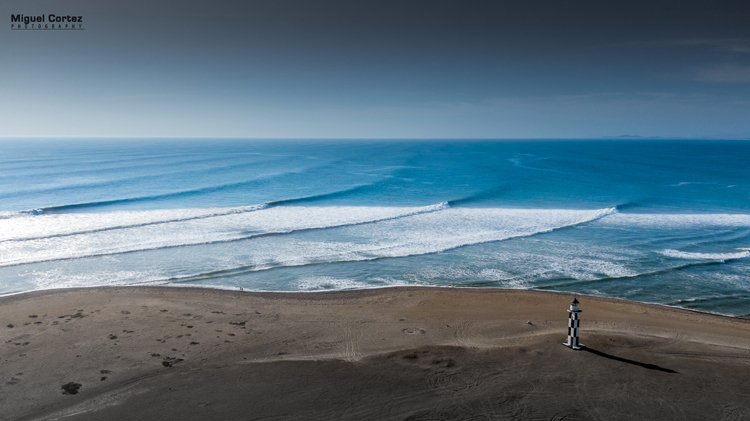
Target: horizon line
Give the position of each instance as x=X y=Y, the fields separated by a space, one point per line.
x=618 y=137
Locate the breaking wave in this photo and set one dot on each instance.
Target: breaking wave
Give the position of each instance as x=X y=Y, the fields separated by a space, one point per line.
x=374 y=232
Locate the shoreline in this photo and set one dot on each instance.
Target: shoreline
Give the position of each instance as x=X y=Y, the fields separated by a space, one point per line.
x=375 y=288
x=142 y=352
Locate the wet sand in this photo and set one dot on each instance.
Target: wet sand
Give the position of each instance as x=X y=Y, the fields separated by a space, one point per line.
x=136 y=353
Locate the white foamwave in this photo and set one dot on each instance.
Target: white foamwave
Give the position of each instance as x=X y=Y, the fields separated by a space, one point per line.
x=49 y=226
x=365 y=233
x=55 y=225
x=466 y=275
x=564 y=262
x=61 y=278
x=97 y=234
x=415 y=235
x=672 y=221
x=705 y=256
x=458 y=227
x=327 y=283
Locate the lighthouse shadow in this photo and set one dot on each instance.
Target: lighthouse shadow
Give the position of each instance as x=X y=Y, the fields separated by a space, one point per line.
x=625 y=360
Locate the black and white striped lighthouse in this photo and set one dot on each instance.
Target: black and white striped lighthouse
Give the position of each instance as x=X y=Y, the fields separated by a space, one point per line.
x=574 y=322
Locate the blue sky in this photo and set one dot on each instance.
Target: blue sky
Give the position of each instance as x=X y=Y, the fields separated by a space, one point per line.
x=379 y=69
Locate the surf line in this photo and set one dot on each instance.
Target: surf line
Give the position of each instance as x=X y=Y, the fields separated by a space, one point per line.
x=232 y=211
x=428 y=209
x=434 y=208
x=235 y=211
x=240 y=270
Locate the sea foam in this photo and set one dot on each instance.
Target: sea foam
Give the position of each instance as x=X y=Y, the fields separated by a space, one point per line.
x=390 y=231
x=706 y=256
x=672 y=221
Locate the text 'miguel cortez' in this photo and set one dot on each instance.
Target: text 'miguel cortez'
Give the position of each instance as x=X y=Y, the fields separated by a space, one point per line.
x=49 y=22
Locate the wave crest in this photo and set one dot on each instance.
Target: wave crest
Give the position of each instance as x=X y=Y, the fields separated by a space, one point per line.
x=705 y=256
x=374 y=232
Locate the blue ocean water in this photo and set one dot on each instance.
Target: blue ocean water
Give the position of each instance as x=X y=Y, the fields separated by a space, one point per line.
x=654 y=221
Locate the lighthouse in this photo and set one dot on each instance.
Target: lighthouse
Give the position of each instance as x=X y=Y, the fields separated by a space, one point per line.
x=574 y=321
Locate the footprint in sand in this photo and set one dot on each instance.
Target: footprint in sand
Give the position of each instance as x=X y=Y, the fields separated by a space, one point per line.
x=413 y=331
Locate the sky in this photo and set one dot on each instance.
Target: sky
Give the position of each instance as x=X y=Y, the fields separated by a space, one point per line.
x=379 y=69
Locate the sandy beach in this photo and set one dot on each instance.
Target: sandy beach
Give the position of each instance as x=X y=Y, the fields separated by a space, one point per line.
x=136 y=353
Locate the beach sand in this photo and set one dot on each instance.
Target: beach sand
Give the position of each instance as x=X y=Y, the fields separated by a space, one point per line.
x=144 y=353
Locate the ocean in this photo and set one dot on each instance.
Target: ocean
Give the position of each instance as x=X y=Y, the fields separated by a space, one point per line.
x=658 y=221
